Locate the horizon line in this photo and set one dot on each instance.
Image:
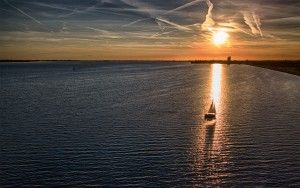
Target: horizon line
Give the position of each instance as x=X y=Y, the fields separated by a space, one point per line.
x=145 y=60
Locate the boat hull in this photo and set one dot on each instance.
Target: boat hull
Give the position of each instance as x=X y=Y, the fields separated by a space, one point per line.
x=210 y=116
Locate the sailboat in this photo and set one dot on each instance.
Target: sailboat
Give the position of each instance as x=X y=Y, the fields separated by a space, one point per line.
x=211 y=114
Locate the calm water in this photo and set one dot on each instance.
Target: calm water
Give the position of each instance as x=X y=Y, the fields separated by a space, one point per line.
x=142 y=125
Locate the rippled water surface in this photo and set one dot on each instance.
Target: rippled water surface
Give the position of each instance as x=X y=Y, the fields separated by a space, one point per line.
x=142 y=125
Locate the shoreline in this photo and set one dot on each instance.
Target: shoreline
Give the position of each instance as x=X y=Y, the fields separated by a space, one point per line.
x=286 y=66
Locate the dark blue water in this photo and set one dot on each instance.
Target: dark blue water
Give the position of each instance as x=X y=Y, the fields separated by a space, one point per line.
x=141 y=125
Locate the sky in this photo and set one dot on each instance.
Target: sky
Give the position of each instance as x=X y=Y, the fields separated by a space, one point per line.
x=149 y=29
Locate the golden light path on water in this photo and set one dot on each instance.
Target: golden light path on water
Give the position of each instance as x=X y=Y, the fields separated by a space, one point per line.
x=216 y=83
x=211 y=155
x=217 y=95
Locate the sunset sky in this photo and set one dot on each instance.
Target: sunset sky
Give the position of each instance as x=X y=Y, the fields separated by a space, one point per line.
x=149 y=29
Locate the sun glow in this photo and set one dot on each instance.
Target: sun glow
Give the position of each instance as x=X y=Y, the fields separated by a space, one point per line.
x=220 y=37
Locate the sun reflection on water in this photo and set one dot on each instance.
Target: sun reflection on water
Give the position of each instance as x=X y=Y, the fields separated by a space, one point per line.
x=211 y=155
x=216 y=83
x=216 y=95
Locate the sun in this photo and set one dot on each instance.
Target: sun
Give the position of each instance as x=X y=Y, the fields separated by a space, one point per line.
x=220 y=37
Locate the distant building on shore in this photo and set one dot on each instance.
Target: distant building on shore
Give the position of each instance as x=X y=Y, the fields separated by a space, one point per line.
x=229 y=58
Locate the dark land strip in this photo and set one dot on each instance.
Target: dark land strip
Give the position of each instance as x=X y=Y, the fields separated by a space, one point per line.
x=287 y=66
x=292 y=67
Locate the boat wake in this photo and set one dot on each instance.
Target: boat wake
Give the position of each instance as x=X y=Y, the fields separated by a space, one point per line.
x=210 y=123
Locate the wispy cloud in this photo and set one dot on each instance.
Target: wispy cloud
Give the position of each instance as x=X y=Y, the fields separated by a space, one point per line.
x=209 y=23
x=257 y=23
x=105 y=33
x=253 y=21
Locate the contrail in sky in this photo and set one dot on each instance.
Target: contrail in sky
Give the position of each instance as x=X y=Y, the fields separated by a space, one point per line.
x=159 y=18
x=136 y=21
x=177 y=26
x=183 y=6
x=22 y=12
